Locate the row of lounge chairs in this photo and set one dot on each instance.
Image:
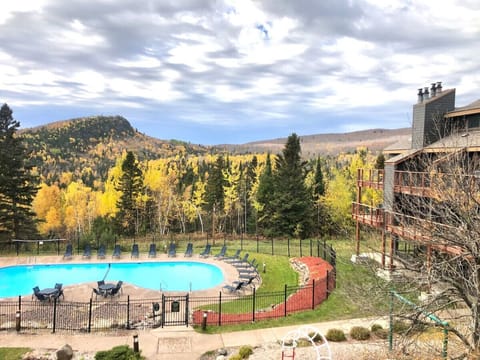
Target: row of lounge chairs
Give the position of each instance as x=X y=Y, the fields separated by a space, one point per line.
x=247 y=271
x=152 y=252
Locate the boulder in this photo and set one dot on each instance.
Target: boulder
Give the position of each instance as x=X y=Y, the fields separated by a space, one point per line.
x=65 y=353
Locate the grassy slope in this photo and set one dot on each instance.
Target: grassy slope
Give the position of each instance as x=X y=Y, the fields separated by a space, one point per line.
x=359 y=293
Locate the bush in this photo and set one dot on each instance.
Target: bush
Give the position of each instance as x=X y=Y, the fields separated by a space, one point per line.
x=315 y=337
x=381 y=333
x=400 y=327
x=122 y=352
x=359 y=333
x=335 y=335
x=376 y=327
x=245 y=352
x=235 y=357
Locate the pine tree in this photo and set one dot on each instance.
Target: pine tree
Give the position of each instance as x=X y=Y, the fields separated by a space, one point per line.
x=18 y=186
x=131 y=186
x=214 y=194
x=265 y=195
x=292 y=202
x=380 y=161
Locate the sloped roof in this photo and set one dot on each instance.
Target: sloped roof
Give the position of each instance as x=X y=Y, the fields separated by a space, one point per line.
x=399 y=146
x=467 y=140
x=472 y=108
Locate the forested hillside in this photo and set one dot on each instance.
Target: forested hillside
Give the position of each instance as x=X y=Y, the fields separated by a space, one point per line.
x=86 y=148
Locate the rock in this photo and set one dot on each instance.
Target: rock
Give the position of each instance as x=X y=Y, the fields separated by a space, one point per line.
x=65 y=353
x=220 y=357
x=222 y=352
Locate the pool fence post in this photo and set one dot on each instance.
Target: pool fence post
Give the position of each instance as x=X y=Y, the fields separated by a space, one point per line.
x=253 y=305
x=54 y=315
x=220 y=308
x=90 y=316
x=128 y=312
x=288 y=247
x=285 y=300
x=311 y=247
x=186 y=309
x=313 y=294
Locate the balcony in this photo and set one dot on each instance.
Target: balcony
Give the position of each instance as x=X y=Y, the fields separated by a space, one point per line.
x=370 y=178
x=368 y=215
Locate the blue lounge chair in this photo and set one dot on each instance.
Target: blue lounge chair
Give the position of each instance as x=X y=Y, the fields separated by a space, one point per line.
x=241 y=262
x=101 y=252
x=222 y=253
x=235 y=287
x=135 y=252
x=172 y=250
x=206 y=252
x=117 y=252
x=189 y=251
x=152 y=252
x=68 y=252
x=235 y=257
x=87 y=252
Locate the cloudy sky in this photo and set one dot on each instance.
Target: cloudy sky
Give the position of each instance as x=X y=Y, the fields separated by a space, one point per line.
x=234 y=71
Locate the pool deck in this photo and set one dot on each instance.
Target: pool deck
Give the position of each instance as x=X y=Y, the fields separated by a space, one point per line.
x=83 y=291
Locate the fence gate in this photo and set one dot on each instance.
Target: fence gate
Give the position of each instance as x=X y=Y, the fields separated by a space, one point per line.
x=174 y=310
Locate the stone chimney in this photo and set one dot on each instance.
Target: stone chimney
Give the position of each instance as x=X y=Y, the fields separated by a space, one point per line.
x=420 y=95
x=433 y=90
x=426 y=94
x=439 y=87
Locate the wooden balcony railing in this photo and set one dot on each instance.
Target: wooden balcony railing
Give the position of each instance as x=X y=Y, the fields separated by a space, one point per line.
x=370 y=178
x=369 y=215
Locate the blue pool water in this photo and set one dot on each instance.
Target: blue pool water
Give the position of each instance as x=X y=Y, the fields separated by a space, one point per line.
x=166 y=276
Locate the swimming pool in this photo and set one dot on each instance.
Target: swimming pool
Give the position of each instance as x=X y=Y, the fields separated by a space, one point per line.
x=165 y=276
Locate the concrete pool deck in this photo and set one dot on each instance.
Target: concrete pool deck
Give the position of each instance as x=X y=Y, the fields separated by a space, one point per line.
x=83 y=291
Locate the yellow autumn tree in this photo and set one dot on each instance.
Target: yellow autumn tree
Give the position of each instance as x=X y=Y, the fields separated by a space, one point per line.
x=48 y=207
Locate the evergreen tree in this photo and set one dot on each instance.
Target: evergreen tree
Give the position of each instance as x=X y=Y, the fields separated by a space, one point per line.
x=265 y=196
x=319 y=184
x=18 y=186
x=292 y=202
x=380 y=161
x=214 y=195
x=130 y=186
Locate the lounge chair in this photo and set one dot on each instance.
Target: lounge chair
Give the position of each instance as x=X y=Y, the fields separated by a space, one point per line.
x=117 y=252
x=234 y=288
x=189 y=251
x=68 y=252
x=87 y=252
x=246 y=264
x=172 y=250
x=244 y=260
x=249 y=271
x=235 y=257
x=206 y=252
x=222 y=253
x=135 y=252
x=101 y=252
x=38 y=295
x=246 y=281
x=152 y=252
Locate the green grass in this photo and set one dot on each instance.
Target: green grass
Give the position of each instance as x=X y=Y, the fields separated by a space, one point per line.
x=359 y=293
x=13 y=353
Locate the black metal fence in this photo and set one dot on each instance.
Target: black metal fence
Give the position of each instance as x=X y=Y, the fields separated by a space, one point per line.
x=187 y=309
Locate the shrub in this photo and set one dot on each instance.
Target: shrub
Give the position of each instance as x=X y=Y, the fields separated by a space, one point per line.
x=376 y=327
x=400 y=327
x=235 y=357
x=381 y=333
x=315 y=337
x=335 y=335
x=360 y=333
x=122 y=352
x=245 y=352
